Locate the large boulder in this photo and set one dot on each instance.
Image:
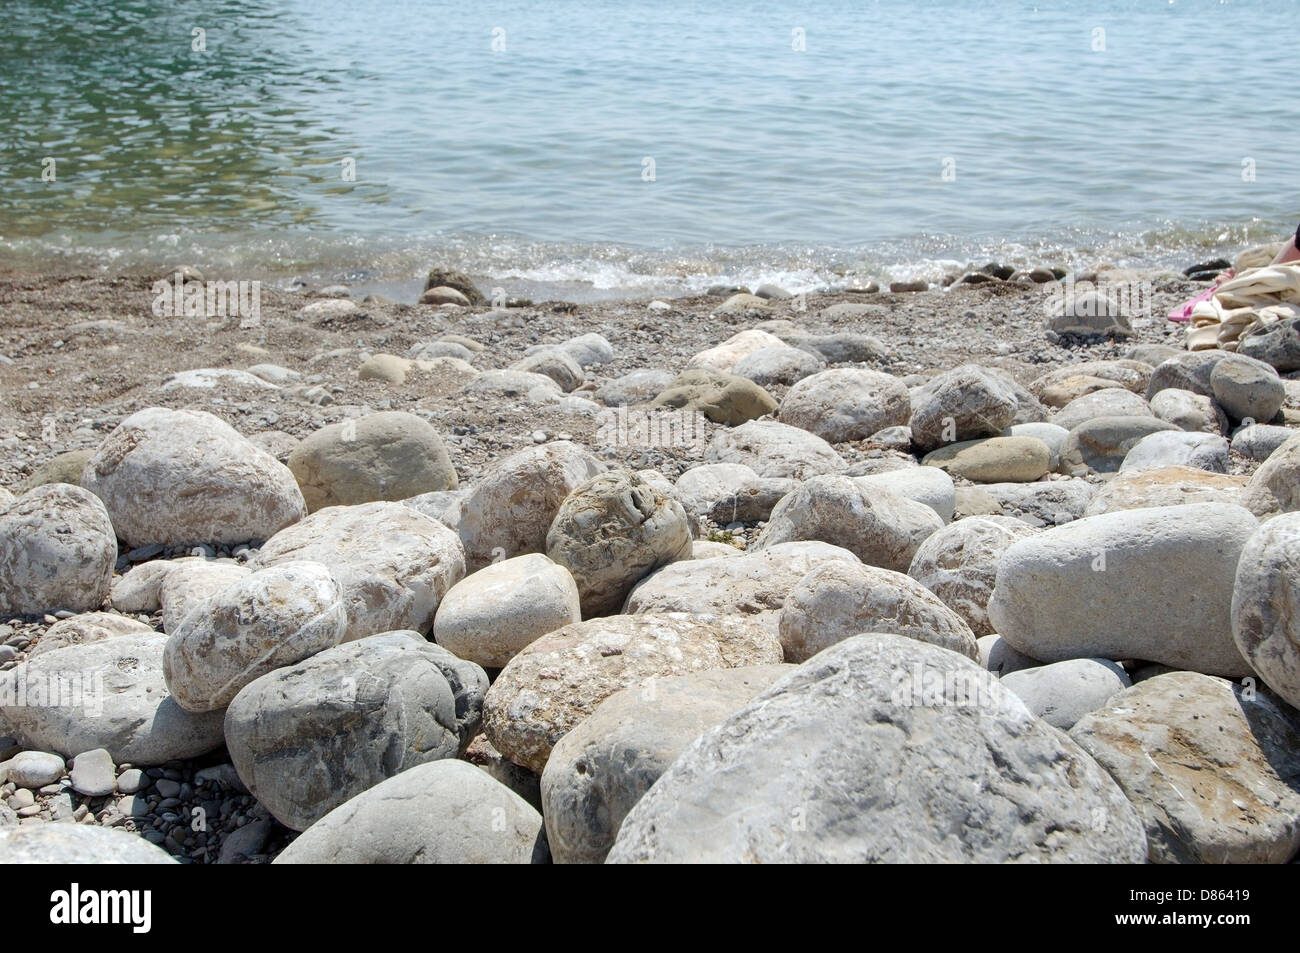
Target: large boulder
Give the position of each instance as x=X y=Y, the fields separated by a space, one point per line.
x=1075 y=591
x=491 y=615
x=392 y=564
x=443 y=812
x=611 y=532
x=385 y=456
x=1210 y=766
x=723 y=398
x=511 y=508
x=928 y=485
x=959 y=564
x=57 y=551
x=601 y=768
x=1266 y=605
x=964 y=403
x=846 y=404
x=273 y=617
x=107 y=694
x=773 y=449
x=878 y=526
x=1188 y=371
x=882 y=749
x=304 y=739
x=753 y=584
x=184 y=476
x=1189 y=411
x=558 y=680
x=190 y=582
x=778 y=365
x=838 y=600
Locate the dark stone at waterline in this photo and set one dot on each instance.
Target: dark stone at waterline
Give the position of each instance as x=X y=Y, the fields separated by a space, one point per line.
x=1214 y=265
x=450 y=278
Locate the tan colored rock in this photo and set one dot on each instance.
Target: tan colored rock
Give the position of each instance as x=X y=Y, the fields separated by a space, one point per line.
x=1165 y=486
x=391 y=455
x=556 y=682
x=611 y=532
x=839 y=600
x=994 y=459
x=1210 y=770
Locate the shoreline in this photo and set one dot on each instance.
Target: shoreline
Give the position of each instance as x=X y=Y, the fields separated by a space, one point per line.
x=82 y=353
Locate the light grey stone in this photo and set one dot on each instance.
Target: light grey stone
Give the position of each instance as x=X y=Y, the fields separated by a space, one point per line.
x=443 y=812
x=1063 y=692
x=118 y=701
x=875 y=770
x=846 y=404
x=838 y=600
x=1075 y=591
x=76 y=844
x=773 y=449
x=878 y=526
x=1178 y=448
x=392 y=564
x=491 y=615
x=57 y=551
x=1266 y=605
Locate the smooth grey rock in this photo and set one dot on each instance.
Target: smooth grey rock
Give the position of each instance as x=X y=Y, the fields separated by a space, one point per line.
x=1257 y=442
x=190 y=583
x=93 y=773
x=1189 y=411
x=848 y=759
x=1074 y=591
x=110 y=694
x=752 y=584
x=846 y=404
x=1109 y=402
x=491 y=615
x=556 y=364
x=386 y=456
x=778 y=365
x=304 y=739
x=1275 y=487
x=1278 y=345
x=76 y=844
x=1001 y=659
x=1178 y=448
x=965 y=403
x=1189 y=371
x=1266 y=605
x=1063 y=692
x=928 y=485
x=443 y=812
x=35 y=769
x=1247 y=389
x=638 y=387
x=1102 y=443
x=773 y=449
x=1050 y=434
x=510 y=509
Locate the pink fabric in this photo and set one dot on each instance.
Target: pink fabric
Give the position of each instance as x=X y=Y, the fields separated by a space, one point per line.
x=1184 y=311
